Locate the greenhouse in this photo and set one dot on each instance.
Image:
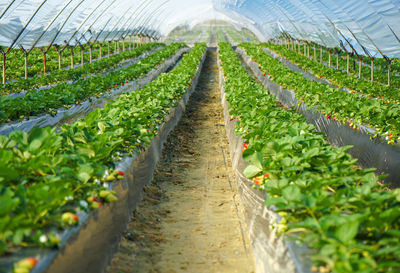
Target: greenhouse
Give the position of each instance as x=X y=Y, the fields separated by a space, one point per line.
x=200 y=136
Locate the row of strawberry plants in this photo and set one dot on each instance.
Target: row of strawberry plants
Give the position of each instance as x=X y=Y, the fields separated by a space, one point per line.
x=66 y=94
x=15 y=59
x=380 y=69
x=324 y=200
x=337 y=105
x=380 y=64
x=235 y=35
x=73 y=74
x=220 y=36
x=339 y=78
x=46 y=178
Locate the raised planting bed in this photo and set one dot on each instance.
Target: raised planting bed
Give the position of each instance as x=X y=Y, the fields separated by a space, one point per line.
x=134 y=77
x=272 y=252
x=62 y=75
x=132 y=129
x=337 y=214
x=108 y=65
x=336 y=77
x=370 y=152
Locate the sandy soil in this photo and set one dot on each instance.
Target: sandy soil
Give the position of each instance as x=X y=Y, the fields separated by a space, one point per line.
x=190 y=219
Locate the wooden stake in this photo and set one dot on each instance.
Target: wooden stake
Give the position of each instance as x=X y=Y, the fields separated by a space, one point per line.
x=320 y=54
x=4 y=67
x=90 y=53
x=389 y=68
x=372 y=69
x=348 y=60
x=101 y=53
x=359 y=68
x=72 y=58
x=59 y=59
x=81 y=57
x=26 y=65
x=44 y=63
x=337 y=60
x=329 y=64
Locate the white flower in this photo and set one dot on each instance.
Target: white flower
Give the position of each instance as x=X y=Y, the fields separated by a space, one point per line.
x=43 y=238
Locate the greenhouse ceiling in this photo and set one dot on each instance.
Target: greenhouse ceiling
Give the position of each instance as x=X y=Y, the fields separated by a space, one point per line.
x=371 y=27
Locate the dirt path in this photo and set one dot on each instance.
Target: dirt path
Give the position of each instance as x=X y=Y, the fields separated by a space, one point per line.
x=190 y=218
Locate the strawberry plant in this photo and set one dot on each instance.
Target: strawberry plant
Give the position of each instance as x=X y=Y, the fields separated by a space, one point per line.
x=66 y=94
x=324 y=200
x=15 y=60
x=380 y=66
x=338 y=105
x=58 y=76
x=48 y=178
x=337 y=77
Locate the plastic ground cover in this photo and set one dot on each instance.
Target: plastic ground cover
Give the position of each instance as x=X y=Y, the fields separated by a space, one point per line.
x=370 y=153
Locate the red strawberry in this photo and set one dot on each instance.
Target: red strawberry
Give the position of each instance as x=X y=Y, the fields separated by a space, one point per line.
x=121 y=173
x=25 y=265
x=77 y=103
x=245 y=146
x=69 y=218
x=257 y=180
x=302 y=99
x=32 y=261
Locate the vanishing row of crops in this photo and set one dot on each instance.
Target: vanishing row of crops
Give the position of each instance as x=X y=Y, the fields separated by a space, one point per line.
x=50 y=178
x=324 y=200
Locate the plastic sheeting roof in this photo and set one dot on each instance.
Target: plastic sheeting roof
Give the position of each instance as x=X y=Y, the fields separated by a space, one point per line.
x=370 y=25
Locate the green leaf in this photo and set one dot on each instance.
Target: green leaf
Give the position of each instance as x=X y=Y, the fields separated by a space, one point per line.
x=347 y=231
x=253 y=158
x=311 y=153
x=251 y=171
x=292 y=193
x=85 y=172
